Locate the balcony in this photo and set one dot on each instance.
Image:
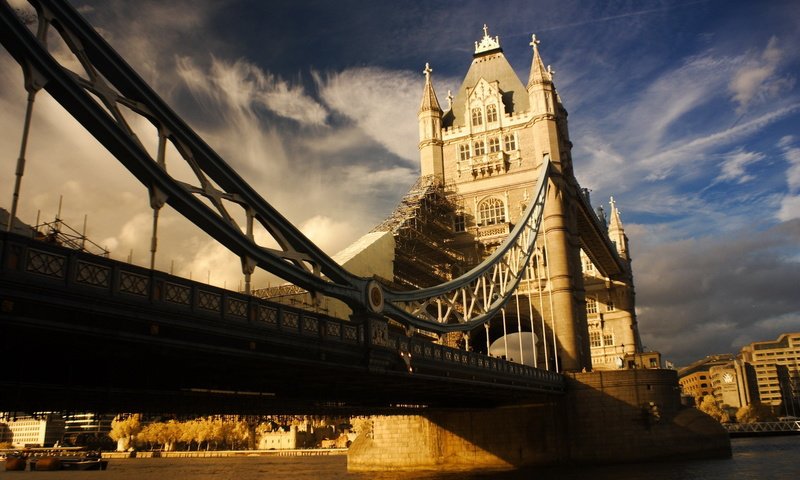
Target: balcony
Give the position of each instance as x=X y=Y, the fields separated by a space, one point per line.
x=490 y=234
x=491 y=164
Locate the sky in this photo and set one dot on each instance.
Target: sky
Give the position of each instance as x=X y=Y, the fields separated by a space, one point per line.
x=686 y=112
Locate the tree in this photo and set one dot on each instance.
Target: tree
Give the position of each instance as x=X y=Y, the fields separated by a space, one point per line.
x=123 y=428
x=755 y=412
x=708 y=405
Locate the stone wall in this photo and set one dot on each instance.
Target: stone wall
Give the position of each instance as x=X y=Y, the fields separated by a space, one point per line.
x=462 y=440
x=605 y=417
x=636 y=415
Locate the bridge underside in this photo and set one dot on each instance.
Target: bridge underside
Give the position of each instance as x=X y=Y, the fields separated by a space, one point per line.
x=76 y=337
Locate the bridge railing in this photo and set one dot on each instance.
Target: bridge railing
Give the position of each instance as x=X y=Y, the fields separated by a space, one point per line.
x=763 y=427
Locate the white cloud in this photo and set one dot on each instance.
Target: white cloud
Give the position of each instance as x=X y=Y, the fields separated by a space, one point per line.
x=380 y=102
x=329 y=234
x=789 y=208
x=756 y=78
x=734 y=165
x=241 y=87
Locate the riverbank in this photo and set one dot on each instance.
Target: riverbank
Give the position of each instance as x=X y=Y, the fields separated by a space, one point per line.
x=774 y=458
x=301 y=452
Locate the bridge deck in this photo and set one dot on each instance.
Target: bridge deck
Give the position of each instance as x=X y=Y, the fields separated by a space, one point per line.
x=83 y=331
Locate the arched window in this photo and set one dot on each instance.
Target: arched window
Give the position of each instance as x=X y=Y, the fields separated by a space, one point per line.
x=463 y=151
x=480 y=148
x=509 y=142
x=477 y=117
x=494 y=145
x=492 y=211
x=491 y=113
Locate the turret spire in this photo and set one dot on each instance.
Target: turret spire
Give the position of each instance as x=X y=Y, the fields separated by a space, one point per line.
x=615 y=230
x=429 y=101
x=539 y=74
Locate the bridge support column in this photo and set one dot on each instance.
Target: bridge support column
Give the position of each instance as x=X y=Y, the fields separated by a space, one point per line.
x=563 y=269
x=604 y=417
x=453 y=440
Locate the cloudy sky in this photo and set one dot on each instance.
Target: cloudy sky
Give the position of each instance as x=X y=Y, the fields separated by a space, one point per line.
x=687 y=112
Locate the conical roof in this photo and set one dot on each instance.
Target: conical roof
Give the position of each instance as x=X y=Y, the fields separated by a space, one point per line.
x=539 y=74
x=429 y=101
x=490 y=64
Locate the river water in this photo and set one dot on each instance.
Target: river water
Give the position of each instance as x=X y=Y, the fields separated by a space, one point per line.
x=774 y=458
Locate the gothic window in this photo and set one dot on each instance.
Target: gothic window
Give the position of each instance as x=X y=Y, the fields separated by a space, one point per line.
x=491 y=113
x=608 y=339
x=477 y=117
x=591 y=305
x=492 y=211
x=480 y=148
x=594 y=338
x=459 y=223
x=494 y=145
x=463 y=151
x=610 y=306
x=510 y=142
x=588 y=266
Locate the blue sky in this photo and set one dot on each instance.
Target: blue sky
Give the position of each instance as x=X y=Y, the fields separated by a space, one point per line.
x=687 y=112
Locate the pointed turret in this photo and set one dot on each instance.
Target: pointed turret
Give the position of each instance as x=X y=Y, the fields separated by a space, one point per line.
x=539 y=74
x=616 y=233
x=541 y=92
x=429 y=101
x=430 y=130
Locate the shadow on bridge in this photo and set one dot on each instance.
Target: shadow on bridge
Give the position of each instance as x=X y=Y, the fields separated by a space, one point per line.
x=90 y=333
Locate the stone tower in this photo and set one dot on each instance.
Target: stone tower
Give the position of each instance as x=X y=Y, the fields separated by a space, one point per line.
x=487 y=150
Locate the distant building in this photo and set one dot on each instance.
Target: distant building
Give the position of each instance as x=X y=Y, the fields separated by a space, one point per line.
x=731 y=386
x=36 y=430
x=695 y=380
x=286 y=439
x=86 y=428
x=777 y=369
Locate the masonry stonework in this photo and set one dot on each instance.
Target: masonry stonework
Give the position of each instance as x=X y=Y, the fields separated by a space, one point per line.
x=605 y=417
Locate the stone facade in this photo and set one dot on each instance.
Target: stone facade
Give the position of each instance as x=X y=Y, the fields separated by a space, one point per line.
x=487 y=150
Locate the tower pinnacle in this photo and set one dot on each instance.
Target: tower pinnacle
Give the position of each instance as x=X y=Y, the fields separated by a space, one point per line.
x=487 y=43
x=539 y=74
x=429 y=101
x=615 y=230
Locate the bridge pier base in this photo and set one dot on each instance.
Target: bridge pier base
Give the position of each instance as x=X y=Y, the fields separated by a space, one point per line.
x=605 y=417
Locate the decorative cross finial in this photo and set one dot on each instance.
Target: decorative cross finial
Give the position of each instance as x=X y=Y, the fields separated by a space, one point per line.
x=550 y=71
x=534 y=41
x=427 y=72
x=485 y=30
x=613 y=204
x=449 y=100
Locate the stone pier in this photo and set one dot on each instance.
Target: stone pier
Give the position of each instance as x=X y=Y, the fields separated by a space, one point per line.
x=605 y=417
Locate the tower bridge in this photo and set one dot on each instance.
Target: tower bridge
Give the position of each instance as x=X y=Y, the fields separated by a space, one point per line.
x=497 y=238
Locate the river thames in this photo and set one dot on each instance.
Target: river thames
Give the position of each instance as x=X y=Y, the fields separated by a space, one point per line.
x=775 y=458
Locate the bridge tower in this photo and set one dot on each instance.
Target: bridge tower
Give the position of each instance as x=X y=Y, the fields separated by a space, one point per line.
x=493 y=140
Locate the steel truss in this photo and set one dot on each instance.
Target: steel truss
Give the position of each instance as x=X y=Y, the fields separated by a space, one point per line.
x=110 y=86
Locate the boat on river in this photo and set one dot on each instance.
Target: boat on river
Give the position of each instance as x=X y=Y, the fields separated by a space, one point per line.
x=90 y=461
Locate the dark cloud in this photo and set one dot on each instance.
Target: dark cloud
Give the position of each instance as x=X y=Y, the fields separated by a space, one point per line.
x=713 y=294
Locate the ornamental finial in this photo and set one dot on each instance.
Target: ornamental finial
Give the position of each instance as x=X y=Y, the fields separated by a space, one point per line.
x=487 y=43
x=534 y=41
x=427 y=72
